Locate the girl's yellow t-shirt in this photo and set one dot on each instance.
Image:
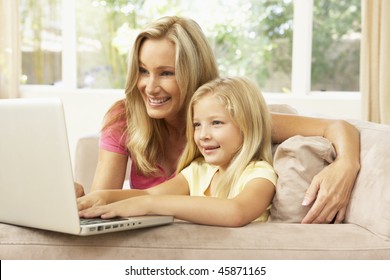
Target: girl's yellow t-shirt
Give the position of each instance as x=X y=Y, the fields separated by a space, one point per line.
x=199 y=175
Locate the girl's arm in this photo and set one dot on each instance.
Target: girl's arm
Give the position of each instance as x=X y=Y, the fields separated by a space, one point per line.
x=332 y=187
x=239 y=211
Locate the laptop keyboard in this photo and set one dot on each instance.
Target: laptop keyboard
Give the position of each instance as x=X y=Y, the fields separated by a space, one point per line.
x=92 y=221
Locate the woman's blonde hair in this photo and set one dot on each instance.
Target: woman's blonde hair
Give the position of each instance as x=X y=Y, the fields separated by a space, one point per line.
x=248 y=109
x=194 y=65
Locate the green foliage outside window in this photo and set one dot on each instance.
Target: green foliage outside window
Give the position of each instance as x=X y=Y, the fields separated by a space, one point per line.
x=249 y=37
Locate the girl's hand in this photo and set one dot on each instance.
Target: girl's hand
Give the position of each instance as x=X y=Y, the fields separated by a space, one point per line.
x=331 y=189
x=135 y=206
x=92 y=199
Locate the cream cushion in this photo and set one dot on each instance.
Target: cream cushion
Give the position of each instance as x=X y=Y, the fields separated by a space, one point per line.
x=296 y=161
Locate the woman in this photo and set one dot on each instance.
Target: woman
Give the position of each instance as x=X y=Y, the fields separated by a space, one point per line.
x=170 y=59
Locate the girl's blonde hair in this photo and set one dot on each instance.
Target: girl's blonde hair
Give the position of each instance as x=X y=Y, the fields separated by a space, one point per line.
x=194 y=65
x=248 y=109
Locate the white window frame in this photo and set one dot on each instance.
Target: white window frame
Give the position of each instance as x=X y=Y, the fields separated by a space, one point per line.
x=302 y=42
x=69 y=50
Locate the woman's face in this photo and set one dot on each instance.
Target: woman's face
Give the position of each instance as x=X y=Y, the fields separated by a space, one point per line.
x=157 y=81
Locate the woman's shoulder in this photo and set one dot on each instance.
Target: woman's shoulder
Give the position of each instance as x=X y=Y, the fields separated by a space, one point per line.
x=117 y=109
x=116 y=115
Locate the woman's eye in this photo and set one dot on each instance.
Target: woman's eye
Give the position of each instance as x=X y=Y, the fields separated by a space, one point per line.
x=216 y=122
x=143 y=71
x=196 y=124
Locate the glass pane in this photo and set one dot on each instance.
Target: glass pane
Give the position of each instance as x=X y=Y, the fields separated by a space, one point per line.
x=41 y=41
x=336 y=45
x=249 y=37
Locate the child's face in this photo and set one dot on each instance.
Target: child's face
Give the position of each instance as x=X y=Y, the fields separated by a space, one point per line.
x=216 y=135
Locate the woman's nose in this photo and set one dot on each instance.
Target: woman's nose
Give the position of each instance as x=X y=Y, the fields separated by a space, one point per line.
x=152 y=86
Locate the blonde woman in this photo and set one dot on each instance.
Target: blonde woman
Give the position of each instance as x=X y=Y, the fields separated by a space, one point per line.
x=170 y=59
x=225 y=176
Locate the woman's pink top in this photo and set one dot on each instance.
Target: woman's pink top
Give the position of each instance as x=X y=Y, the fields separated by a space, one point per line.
x=113 y=139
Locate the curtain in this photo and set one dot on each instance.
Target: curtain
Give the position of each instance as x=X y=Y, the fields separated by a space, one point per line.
x=10 y=62
x=375 y=61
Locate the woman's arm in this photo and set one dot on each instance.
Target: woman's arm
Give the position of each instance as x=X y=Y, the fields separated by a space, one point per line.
x=332 y=187
x=109 y=174
x=110 y=171
x=239 y=211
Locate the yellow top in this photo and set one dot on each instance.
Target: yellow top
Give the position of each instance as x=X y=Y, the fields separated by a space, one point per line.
x=199 y=175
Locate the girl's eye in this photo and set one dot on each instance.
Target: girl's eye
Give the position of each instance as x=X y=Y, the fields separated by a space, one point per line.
x=196 y=124
x=217 y=122
x=167 y=73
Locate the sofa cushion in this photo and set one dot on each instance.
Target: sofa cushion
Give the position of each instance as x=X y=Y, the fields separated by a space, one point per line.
x=181 y=240
x=369 y=205
x=296 y=161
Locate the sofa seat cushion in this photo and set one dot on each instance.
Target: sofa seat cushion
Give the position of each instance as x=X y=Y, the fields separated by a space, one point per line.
x=182 y=240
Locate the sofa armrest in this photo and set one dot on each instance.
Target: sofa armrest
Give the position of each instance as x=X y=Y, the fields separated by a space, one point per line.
x=86 y=159
x=369 y=205
x=87 y=150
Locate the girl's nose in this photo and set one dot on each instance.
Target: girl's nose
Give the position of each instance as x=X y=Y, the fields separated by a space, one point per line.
x=204 y=133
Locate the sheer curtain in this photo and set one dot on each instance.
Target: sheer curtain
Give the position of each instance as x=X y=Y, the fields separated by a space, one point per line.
x=375 y=61
x=10 y=62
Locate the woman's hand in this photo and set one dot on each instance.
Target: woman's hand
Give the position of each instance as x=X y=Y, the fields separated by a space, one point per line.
x=331 y=189
x=79 y=190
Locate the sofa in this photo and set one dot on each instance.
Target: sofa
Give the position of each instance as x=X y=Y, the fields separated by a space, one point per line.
x=365 y=233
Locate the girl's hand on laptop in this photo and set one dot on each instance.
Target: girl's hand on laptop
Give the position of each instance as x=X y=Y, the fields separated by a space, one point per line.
x=135 y=206
x=92 y=199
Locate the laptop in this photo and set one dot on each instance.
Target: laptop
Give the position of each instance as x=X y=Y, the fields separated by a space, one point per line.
x=36 y=175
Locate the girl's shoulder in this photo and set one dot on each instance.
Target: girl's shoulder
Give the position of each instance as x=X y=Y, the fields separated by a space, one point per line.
x=260 y=164
x=199 y=166
x=259 y=169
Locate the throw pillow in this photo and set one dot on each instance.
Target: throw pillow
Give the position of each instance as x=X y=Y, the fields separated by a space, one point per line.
x=296 y=161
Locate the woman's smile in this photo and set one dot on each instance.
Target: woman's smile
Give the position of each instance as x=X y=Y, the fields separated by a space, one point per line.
x=153 y=101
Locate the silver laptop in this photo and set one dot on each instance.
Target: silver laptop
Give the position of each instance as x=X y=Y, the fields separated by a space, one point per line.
x=36 y=175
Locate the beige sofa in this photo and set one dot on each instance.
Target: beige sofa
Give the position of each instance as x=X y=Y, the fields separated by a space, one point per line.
x=364 y=235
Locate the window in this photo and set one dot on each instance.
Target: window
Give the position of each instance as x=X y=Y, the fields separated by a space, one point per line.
x=85 y=43
x=336 y=45
x=41 y=43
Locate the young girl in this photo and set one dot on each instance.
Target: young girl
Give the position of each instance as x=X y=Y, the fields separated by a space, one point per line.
x=224 y=176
